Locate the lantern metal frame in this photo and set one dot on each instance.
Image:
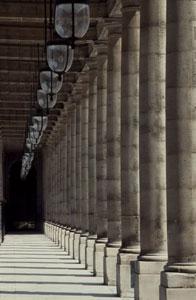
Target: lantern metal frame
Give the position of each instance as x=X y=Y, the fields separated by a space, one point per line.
x=46 y=109
x=61 y=42
x=47 y=69
x=73 y=38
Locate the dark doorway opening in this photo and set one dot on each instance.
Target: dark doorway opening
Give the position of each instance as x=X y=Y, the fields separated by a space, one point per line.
x=21 y=206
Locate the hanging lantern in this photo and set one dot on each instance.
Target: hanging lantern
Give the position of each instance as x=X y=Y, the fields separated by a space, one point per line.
x=72 y=18
x=40 y=123
x=60 y=56
x=34 y=133
x=51 y=83
x=26 y=164
x=31 y=140
x=29 y=145
x=46 y=101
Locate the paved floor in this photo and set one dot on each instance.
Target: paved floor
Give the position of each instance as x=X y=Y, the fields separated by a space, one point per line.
x=32 y=267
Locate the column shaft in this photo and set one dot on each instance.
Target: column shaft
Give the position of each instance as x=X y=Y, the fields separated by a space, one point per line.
x=69 y=170
x=92 y=149
x=180 y=143
x=64 y=175
x=78 y=166
x=79 y=203
x=129 y=147
x=101 y=152
x=84 y=153
x=113 y=139
x=152 y=149
x=61 y=179
x=179 y=280
x=153 y=130
x=113 y=156
x=130 y=129
x=101 y=161
x=73 y=165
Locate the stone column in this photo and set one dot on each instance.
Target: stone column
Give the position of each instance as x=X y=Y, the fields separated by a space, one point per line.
x=53 y=191
x=179 y=280
x=61 y=177
x=56 y=189
x=113 y=155
x=129 y=146
x=62 y=185
x=153 y=254
x=69 y=223
x=73 y=177
x=101 y=207
x=65 y=161
x=92 y=165
x=78 y=181
x=64 y=182
x=60 y=188
x=58 y=156
x=85 y=177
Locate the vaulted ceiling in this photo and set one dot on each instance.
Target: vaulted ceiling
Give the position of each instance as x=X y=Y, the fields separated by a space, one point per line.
x=21 y=30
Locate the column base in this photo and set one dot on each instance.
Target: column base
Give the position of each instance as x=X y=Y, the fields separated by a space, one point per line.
x=125 y=278
x=100 y=246
x=77 y=246
x=56 y=234
x=52 y=232
x=83 y=246
x=110 y=263
x=67 y=237
x=147 y=279
x=90 y=253
x=1 y=237
x=71 y=243
x=180 y=286
x=63 y=239
x=60 y=237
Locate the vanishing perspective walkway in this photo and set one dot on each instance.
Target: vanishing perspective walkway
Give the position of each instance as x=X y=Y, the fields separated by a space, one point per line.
x=32 y=267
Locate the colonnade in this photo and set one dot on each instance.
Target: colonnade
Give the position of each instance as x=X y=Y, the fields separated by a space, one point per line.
x=119 y=181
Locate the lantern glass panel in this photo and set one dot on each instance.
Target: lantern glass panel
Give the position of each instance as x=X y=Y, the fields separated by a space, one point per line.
x=40 y=123
x=50 y=82
x=63 y=19
x=60 y=57
x=34 y=133
x=46 y=100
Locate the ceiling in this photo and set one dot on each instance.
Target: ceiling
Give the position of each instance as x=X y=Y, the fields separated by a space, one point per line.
x=21 y=30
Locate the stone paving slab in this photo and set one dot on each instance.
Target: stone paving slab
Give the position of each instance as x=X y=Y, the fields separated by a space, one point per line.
x=32 y=267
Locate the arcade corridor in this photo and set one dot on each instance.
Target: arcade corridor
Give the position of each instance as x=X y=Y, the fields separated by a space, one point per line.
x=98 y=149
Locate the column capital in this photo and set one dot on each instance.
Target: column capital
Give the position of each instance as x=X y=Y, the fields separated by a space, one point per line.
x=102 y=47
x=71 y=104
x=92 y=64
x=114 y=28
x=130 y=5
x=109 y=26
